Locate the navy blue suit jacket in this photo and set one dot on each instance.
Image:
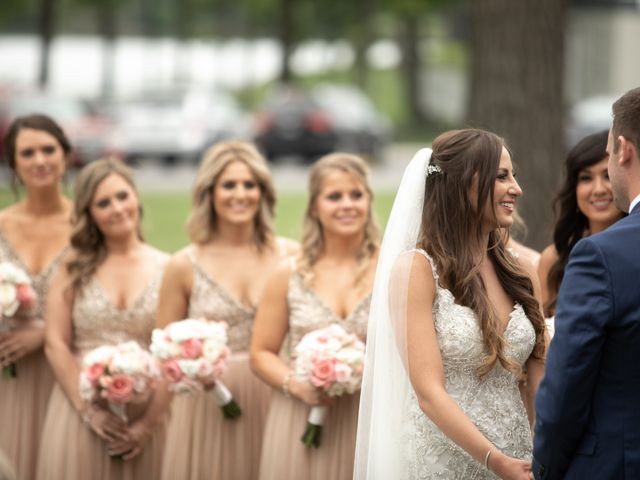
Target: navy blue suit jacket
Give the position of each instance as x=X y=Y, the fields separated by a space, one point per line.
x=588 y=404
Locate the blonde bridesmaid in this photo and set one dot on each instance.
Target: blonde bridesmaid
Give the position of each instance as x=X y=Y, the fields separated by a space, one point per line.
x=220 y=276
x=330 y=282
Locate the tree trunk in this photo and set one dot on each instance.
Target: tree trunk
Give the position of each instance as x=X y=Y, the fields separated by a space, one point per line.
x=411 y=65
x=286 y=38
x=47 y=18
x=362 y=35
x=107 y=29
x=517 y=59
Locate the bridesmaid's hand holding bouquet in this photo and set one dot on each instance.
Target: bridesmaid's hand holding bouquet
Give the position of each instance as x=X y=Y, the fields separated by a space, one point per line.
x=16 y=294
x=333 y=360
x=120 y=374
x=193 y=355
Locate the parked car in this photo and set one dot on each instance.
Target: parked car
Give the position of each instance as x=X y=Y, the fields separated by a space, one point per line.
x=292 y=124
x=360 y=127
x=589 y=115
x=90 y=132
x=327 y=118
x=176 y=125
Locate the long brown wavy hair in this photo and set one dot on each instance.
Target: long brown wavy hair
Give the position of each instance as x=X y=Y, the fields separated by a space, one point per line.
x=203 y=220
x=454 y=227
x=312 y=233
x=88 y=248
x=570 y=223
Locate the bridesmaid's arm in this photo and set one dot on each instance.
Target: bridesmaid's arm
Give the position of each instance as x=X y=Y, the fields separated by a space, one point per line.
x=534 y=367
x=548 y=257
x=269 y=330
x=175 y=290
x=58 y=341
x=427 y=377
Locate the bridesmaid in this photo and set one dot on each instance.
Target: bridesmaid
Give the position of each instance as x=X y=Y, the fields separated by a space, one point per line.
x=330 y=282
x=220 y=276
x=33 y=234
x=106 y=294
x=583 y=206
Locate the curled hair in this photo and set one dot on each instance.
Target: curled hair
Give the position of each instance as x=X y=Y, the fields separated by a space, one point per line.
x=34 y=121
x=203 y=219
x=313 y=241
x=88 y=247
x=453 y=227
x=570 y=223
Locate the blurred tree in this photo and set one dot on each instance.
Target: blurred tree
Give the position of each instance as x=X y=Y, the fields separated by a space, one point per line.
x=410 y=15
x=45 y=28
x=517 y=57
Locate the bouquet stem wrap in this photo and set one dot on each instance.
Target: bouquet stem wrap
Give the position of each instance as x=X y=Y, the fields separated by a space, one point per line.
x=119 y=410
x=313 y=434
x=224 y=399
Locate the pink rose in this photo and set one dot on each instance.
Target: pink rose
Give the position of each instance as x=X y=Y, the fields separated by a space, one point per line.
x=94 y=372
x=324 y=373
x=191 y=348
x=121 y=389
x=172 y=370
x=26 y=295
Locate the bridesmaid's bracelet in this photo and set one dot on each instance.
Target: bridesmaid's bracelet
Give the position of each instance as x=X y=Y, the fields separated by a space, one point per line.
x=87 y=415
x=285 y=384
x=486 y=459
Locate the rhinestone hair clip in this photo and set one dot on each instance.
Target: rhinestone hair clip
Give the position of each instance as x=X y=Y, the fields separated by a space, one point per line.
x=433 y=169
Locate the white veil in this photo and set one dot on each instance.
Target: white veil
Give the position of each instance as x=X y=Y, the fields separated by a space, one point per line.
x=386 y=389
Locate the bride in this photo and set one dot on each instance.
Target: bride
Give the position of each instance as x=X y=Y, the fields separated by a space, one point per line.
x=456 y=336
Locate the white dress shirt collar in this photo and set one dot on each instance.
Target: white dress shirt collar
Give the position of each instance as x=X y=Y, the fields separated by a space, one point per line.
x=633 y=203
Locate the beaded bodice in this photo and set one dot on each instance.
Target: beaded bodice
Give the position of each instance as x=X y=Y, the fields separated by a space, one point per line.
x=40 y=283
x=97 y=321
x=493 y=403
x=308 y=312
x=210 y=301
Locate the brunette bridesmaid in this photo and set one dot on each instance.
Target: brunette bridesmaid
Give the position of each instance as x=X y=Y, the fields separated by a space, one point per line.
x=105 y=293
x=34 y=232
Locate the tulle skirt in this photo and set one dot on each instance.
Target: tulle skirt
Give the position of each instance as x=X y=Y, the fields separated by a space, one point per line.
x=285 y=457
x=23 y=404
x=70 y=450
x=202 y=444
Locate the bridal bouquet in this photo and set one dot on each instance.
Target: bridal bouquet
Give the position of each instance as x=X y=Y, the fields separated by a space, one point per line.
x=16 y=293
x=333 y=360
x=192 y=355
x=119 y=374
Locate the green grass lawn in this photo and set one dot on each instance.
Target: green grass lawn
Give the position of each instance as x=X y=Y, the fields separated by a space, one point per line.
x=165 y=214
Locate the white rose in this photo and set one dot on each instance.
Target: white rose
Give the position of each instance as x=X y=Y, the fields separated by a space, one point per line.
x=9 y=299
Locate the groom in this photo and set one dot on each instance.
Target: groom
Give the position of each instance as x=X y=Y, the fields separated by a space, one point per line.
x=588 y=404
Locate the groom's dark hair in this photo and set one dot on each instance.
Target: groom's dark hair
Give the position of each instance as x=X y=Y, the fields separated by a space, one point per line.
x=626 y=118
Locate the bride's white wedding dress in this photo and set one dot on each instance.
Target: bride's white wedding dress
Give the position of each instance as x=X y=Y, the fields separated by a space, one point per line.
x=492 y=403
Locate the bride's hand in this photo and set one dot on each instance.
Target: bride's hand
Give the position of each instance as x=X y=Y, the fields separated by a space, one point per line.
x=309 y=394
x=509 y=468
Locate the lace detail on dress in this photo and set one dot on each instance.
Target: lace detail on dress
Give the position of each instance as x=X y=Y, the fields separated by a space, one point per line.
x=97 y=321
x=209 y=300
x=492 y=403
x=307 y=312
x=41 y=282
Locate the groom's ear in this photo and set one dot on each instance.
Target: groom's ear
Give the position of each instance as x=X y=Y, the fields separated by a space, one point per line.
x=627 y=151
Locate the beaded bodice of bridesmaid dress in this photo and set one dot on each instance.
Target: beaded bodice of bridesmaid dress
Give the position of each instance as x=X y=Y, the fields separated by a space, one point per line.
x=40 y=283
x=97 y=321
x=212 y=302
